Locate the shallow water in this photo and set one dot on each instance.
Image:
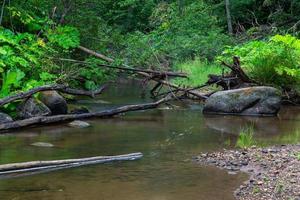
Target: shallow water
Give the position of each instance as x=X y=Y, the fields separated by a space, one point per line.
x=169 y=138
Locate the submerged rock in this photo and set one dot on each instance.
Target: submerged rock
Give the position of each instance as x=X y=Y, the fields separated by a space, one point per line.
x=79 y=110
x=42 y=144
x=55 y=102
x=32 y=108
x=5 y=118
x=257 y=101
x=79 y=124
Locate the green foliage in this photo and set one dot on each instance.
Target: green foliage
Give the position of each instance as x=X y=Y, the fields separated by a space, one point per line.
x=26 y=52
x=245 y=138
x=298 y=156
x=197 y=71
x=176 y=37
x=64 y=36
x=260 y=18
x=273 y=62
x=20 y=60
x=94 y=75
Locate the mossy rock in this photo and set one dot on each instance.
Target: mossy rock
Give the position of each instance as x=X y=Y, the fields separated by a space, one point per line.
x=257 y=101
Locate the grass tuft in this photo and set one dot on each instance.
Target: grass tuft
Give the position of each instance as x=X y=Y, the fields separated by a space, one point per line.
x=246 y=138
x=197 y=71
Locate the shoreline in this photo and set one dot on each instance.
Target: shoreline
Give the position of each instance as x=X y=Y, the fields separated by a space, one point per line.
x=274 y=171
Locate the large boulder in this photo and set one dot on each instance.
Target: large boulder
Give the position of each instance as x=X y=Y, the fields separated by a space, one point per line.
x=32 y=108
x=257 y=101
x=55 y=102
x=5 y=118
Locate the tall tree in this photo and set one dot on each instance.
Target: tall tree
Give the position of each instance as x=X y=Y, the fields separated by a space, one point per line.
x=228 y=16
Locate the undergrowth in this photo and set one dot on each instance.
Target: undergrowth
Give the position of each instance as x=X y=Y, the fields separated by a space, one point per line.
x=197 y=71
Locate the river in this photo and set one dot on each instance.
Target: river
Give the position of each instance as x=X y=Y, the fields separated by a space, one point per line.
x=168 y=137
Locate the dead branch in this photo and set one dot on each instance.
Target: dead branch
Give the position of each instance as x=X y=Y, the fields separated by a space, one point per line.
x=237 y=70
x=55 y=164
x=42 y=120
x=61 y=88
x=159 y=73
x=146 y=75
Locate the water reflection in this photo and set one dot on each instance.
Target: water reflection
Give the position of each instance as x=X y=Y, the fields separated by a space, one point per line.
x=282 y=129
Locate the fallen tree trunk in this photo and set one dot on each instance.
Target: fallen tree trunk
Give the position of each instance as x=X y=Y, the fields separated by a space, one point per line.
x=60 y=118
x=54 y=164
x=162 y=73
x=61 y=88
x=147 y=75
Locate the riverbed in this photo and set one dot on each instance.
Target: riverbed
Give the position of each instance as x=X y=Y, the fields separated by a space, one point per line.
x=169 y=137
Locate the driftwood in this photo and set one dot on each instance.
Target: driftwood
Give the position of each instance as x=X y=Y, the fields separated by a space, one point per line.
x=58 y=164
x=41 y=120
x=235 y=79
x=237 y=70
x=61 y=88
x=161 y=80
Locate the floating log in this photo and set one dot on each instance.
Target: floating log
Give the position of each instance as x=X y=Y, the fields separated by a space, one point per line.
x=57 y=164
x=41 y=120
x=61 y=88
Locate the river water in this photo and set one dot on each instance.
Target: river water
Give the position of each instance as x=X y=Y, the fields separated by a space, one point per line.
x=168 y=137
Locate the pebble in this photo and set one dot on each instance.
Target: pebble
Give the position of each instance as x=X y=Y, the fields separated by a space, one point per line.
x=79 y=124
x=273 y=170
x=42 y=144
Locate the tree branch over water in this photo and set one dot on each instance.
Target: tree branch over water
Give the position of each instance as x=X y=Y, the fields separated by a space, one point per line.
x=61 y=88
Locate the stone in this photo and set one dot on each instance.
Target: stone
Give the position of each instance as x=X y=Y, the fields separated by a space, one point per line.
x=42 y=144
x=253 y=101
x=32 y=108
x=5 y=118
x=79 y=110
x=79 y=124
x=55 y=102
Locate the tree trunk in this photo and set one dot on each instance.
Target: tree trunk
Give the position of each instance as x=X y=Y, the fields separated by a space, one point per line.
x=58 y=164
x=228 y=16
x=42 y=120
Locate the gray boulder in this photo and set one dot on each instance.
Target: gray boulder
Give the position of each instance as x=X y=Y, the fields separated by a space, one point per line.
x=5 y=118
x=32 y=108
x=55 y=102
x=257 y=101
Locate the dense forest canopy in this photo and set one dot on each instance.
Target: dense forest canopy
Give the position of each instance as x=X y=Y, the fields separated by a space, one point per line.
x=185 y=35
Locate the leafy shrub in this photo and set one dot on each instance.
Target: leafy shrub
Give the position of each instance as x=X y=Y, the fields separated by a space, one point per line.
x=64 y=36
x=26 y=58
x=273 y=62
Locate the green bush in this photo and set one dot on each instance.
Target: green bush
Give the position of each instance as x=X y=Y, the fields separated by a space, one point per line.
x=273 y=62
x=176 y=37
x=26 y=58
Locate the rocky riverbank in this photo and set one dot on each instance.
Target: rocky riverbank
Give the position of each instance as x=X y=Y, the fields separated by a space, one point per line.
x=274 y=171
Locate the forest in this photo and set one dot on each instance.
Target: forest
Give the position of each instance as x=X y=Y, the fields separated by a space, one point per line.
x=233 y=65
x=183 y=35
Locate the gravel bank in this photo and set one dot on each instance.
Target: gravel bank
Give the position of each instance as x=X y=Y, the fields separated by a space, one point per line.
x=274 y=171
